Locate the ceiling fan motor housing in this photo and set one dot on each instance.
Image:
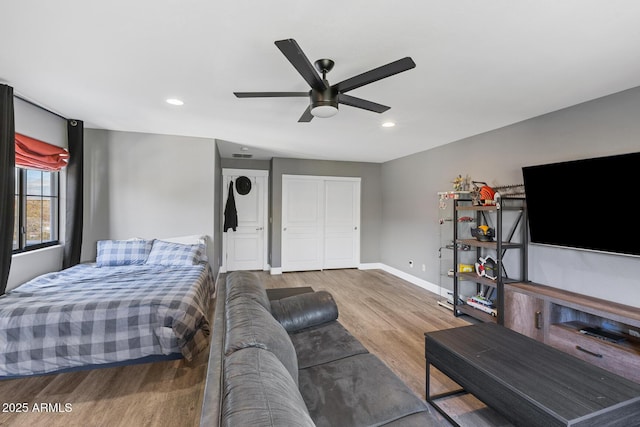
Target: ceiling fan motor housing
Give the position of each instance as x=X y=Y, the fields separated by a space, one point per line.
x=324 y=103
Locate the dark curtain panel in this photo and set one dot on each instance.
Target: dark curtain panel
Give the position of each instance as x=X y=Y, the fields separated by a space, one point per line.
x=73 y=238
x=7 y=182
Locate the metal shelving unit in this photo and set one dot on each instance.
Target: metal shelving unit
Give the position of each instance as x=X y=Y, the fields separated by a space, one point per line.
x=508 y=218
x=446 y=203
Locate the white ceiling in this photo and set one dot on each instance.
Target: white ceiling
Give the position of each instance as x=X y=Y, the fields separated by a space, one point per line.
x=481 y=65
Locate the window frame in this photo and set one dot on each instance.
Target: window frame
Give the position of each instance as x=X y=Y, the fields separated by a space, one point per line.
x=22 y=194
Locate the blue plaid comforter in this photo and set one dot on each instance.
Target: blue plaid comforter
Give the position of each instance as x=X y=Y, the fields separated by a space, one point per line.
x=93 y=315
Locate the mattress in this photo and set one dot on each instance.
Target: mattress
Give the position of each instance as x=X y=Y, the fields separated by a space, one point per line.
x=88 y=315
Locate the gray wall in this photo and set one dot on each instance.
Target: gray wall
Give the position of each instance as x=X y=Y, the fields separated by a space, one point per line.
x=151 y=186
x=370 y=195
x=600 y=127
x=96 y=192
x=216 y=261
x=160 y=186
x=246 y=164
x=39 y=124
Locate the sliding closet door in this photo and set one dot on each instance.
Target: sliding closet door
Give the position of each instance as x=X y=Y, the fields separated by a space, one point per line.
x=342 y=223
x=302 y=223
x=320 y=223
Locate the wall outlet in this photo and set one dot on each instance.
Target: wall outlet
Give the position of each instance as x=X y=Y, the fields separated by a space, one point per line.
x=411 y=263
x=424 y=267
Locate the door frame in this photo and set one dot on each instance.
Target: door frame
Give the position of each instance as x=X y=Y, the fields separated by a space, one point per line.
x=226 y=173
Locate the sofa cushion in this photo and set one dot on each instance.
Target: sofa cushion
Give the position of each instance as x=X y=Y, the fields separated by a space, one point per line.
x=305 y=310
x=324 y=343
x=248 y=324
x=246 y=284
x=258 y=391
x=356 y=391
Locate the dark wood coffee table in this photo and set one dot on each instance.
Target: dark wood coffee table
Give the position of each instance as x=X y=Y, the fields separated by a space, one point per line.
x=528 y=382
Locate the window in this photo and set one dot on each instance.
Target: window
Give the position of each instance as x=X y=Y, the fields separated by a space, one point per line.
x=37 y=193
x=36 y=209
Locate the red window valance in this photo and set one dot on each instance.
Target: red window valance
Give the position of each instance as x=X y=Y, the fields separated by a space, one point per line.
x=36 y=154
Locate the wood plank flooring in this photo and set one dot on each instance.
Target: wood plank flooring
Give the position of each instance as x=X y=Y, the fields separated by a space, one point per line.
x=147 y=395
x=388 y=315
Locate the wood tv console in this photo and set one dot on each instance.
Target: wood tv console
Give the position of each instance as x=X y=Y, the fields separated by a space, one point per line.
x=556 y=317
x=529 y=383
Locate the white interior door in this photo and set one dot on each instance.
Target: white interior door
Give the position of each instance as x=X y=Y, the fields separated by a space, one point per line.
x=342 y=223
x=320 y=222
x=302 y=223
x=245 y=248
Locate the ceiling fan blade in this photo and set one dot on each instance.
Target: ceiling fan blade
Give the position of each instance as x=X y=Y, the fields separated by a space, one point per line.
x=352 y=101
x=376 y=74
x=270 y=94
x=306 y=116
x=300 y=62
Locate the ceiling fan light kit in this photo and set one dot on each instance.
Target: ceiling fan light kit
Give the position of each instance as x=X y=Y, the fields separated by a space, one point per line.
x=324 y=103
x=324 y=111
x=323 y=97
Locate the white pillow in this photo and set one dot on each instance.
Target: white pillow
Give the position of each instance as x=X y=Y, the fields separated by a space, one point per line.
x=193 y=239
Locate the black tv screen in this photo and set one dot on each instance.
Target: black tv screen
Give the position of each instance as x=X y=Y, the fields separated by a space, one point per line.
x=585 y=204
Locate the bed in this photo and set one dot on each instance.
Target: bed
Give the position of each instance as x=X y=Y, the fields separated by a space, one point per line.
x=140 y=299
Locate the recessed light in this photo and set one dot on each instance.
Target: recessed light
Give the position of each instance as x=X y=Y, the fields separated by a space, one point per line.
x=388 y=124
x=174 y=101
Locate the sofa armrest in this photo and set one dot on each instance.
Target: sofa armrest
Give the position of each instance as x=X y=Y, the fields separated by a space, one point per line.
x=212 y=400
x=305 y=310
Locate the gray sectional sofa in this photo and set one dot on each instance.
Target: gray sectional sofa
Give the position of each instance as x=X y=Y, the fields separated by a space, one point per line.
x=289 y=362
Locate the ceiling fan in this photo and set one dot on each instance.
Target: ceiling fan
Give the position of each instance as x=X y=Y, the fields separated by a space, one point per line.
x=324 y=98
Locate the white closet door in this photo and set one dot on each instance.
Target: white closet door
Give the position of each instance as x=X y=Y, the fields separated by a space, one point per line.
x=320 y=223
x=342 y=224
x=302 y=223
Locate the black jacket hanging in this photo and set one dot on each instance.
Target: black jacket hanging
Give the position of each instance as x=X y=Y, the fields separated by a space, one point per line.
x=230 y=212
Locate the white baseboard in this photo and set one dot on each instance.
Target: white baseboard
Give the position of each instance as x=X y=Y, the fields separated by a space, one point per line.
x=371 y=266
x=267 y=267
x=431 y=287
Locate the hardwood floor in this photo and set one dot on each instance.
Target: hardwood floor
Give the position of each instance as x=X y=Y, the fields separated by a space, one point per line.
x=388 y=315
x=151 y=394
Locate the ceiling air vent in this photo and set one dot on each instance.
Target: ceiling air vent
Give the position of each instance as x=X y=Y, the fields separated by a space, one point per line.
x=242 y=156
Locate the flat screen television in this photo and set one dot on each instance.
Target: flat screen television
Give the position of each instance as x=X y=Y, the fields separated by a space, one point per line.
x=585 y=204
